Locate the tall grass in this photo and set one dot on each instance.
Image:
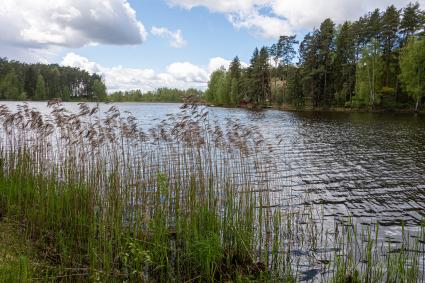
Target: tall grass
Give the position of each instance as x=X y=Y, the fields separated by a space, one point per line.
x=188 y=200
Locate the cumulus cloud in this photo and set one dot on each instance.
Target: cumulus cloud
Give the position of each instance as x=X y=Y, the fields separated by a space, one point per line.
x=176 y=38
x=180 y=75
x=73 y=60
x=41 y=25
x=219 y=62
x=188 y=72
x=271 y=18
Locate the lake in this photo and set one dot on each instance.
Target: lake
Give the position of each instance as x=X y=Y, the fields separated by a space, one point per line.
x=368 y=165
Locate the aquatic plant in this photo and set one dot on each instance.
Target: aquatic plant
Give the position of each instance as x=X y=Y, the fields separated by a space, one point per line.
x=103 y=199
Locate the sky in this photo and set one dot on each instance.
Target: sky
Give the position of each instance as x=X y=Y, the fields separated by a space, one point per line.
x=147 y=44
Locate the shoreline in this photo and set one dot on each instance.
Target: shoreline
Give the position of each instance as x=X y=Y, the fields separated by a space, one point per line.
x=249 y=107
x=330 y=110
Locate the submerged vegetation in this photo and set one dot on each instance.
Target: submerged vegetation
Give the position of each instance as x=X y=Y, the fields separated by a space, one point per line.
x=376 y=62
x=190 y=200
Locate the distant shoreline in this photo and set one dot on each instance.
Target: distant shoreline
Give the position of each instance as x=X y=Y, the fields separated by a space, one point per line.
x=310 y=109
x=252 y=108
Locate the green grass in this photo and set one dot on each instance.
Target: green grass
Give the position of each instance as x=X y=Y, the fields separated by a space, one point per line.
x=101 y=200
x=17 y=263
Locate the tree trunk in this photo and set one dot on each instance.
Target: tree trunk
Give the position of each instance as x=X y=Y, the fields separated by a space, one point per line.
x=417 y=105
x=370 y=86
x=275 y=82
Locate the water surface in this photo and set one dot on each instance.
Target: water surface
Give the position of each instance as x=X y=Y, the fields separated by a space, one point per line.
x=368 y=165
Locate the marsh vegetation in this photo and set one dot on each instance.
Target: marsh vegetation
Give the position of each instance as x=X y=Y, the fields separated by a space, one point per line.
x=189 y=200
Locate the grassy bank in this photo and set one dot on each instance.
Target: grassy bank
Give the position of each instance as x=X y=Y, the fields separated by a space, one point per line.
x=16 y=254
x=101 y=199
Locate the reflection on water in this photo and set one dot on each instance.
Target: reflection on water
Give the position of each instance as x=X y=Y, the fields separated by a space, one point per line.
x=368 y=164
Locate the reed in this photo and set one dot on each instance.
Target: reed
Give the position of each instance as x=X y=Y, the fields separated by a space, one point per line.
x=188 y=200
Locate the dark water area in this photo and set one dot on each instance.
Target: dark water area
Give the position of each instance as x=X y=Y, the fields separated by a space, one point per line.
x=367 y=165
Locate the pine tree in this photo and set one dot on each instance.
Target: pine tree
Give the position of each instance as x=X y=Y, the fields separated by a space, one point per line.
x=259 y=76
x=264 y=74
x=390 y=25
x=309 y=63
x=40 y=88
x=30 y=82
x=373 y=26
x=287 y=53
x=345 y=63
x=11 y=87
x=411 y=22
x=326 y=49
x=275 y=54
x=234 y=79
x=253 y=85
x=235 y=68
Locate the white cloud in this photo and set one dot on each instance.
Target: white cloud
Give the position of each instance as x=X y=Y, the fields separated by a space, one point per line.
x=42 y=25
x=223 y=6
x=265 y=26
x=176 y=38
x=219 y=62
x=180 y=75
x=188 y=72
x=73 y=60
x=271 y=18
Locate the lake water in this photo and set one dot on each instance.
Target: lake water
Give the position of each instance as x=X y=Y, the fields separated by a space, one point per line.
x=368 y=165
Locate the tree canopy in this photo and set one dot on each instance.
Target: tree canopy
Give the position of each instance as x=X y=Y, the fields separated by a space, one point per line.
x=21 y=81
x=373 y=62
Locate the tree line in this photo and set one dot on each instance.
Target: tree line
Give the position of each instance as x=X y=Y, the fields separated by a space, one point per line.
x=22 y=81
x=158 y=95
x=377 y=61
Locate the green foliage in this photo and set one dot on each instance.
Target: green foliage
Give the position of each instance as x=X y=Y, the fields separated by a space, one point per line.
x=293 y=87
x=369 y=76
x=159 y=95
x=412 y=64
x=390 y=39
x=231 y=87
x=344 y=64
x=21 y=81
x=351 y=65
x=223 y=90
x=16 y=255
x=212 y=94
x=316 y=52
x=10 y=86
x=40 y=88
x=234 y=93
x=99 y=90
x=16 y=270
x=102 y=212
x=411 y=22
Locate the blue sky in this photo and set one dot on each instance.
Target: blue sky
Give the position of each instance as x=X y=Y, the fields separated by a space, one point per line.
x=146 y=44
x=208 y=34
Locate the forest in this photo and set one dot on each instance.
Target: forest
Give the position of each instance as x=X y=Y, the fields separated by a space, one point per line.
x=158 y=95
x=37 y=82
x=22 y=81
x=376 y=62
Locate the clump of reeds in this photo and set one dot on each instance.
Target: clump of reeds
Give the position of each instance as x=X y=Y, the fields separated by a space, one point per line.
x=189 y=199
